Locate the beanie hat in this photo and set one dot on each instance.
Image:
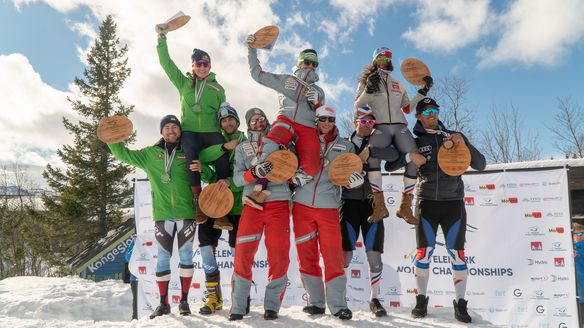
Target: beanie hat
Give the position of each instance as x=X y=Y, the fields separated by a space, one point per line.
x=199 y=54
x=225 y=110
x=363 y=111
x=169 y=119
x=254 y=111
x=424 y=103
x=307 y=54
x=382 y=51
x=326 y=111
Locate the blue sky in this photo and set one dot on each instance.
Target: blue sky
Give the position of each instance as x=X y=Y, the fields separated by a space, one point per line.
x=523 y=52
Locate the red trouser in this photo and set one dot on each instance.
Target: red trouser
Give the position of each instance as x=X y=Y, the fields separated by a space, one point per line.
x=307 y=143
x=275 y=220
x=314 y=227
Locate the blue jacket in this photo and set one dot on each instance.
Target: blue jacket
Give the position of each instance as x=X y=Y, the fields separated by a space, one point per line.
x=579 y=259
x=128 y=256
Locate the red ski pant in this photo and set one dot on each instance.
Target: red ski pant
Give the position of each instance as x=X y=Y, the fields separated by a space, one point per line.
x=314 y=228
x=275 y=221
x=307 y=143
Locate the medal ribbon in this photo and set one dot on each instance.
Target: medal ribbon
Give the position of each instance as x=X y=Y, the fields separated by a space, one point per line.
x=200 y=90
x=167 y=160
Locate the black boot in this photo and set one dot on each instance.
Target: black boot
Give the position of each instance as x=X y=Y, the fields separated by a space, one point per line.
x=270 y=315
x=377 y=309
x=344 y=314
x=162 y=309
x=421 y=309
x=183 y=308
x=235 y=316
x=460 y=312
x=313 y=309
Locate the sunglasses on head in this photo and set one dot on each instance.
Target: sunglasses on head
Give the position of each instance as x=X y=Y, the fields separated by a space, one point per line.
x=203 y=63
x=310 y=62
x=259 y=120
x=366 y=122
x=430 y=111
x=326 y=118
x=579 y=233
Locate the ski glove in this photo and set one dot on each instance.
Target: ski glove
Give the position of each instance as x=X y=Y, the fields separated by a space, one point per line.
x=250 y=39
x=312 y=95
x=373 y=82
x=260 y=171
x=429 y=83
x=356 y=179
x=161 y=29
x=301 y=178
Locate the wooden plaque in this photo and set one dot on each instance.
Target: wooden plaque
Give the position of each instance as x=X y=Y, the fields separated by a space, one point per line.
x=215 y=204
x=265 y=37
x=285 y=165
x=454 y=161
x=341 y=168
x=114 y=129
x=414 y=71
x=177 y=21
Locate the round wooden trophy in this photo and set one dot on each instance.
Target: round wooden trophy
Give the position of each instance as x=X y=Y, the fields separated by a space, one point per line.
x=414 y=71
x=177 y=21
x=285 y=165
x=454 y=161
x=265 y=37
x=215 y=203
x=114 y=129
x=341 y=168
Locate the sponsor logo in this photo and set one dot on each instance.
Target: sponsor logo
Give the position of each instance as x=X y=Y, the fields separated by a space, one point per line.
x=394 y=304
x=148 y=243
x=488 y=186
x=531 y=200
x=529 y=184
x=536 y=246
x=390 y=201
x=517 y=292
x=174 y=285
x=393 y=290
x=563 y=295
x=557 y=230
x=359 y=244
x=539 y=278
x=562 y=325
x=390 y=188
x=355 y=273
x=556 y=278
x=469 y=201
x=552 y=199
x=554 y=214
x=521 y=309
x=536 y=262
x=559 y=262
x=539 y=295
x=305 y=297
x=468 y=188
x=196 y=285
x=561 y=311
x=540 y=309
x=412 y=291
x=535 y=215
x=510 y=200
x=500 y=293
x=142 y=270
x=557 y=247
x=508 y=185
x=550 y=183
x=533 y=231
x=488 y=202
x=175 y=298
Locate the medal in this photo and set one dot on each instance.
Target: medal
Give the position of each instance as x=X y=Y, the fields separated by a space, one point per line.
x=165 y=178
x=197 y=107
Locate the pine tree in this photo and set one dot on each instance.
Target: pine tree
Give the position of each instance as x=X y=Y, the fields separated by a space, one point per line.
x=93 y=189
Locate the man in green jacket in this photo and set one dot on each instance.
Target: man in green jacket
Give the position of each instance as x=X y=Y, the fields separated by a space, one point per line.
x=200 y=98
x=209 y=233
x=172 y=201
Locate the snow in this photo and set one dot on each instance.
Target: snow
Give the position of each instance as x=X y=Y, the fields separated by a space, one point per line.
x=75 y=302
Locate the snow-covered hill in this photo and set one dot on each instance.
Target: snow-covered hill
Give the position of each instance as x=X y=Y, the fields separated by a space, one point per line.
x=75 y=302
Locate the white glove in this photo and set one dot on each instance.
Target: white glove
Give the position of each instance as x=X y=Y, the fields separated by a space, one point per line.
x=356 y=179
x=250 y=39
x=262 y=170
x=312 y=95
x=161 y=29
x=301 y=178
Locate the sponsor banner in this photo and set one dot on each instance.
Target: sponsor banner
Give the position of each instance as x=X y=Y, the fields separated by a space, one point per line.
x=518 y=250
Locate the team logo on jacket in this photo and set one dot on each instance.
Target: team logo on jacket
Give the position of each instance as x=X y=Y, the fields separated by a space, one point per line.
x=181 y=157
x=291 y=84
x=395 y=87
x=355 y=273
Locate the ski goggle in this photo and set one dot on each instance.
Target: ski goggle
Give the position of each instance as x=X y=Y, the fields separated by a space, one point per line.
x=579 y=233
x=382 y=59
x=326 y=118
x=430 y=111
x=308 y=62
x=203 y=63
x=258 y=120
x=366 y=122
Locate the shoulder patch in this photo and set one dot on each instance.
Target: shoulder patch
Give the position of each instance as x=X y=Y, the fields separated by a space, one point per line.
x=159 y=155
x=291 y=84
x=181 y=156
x=395 y=87
x=216 y=88
x=339 y=147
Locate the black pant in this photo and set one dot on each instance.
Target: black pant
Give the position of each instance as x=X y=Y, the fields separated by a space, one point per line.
x=193 y=142
x=450 y=215
x=209 y=236
x=354 y=219
x=134 y=287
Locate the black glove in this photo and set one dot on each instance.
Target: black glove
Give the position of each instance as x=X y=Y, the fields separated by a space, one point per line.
x=373 y=82
x=429 y=83
x=261 y=170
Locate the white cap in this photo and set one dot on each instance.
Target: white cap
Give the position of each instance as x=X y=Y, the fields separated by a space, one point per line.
x=326 y=111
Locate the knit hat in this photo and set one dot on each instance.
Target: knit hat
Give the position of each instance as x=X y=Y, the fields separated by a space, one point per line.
x=199 y=54
x=425 y=103
x=254 y=111
x=363 y=111
x=225 y=110
x=307 y=54
x=169 y=119
x=382 y=51
x=326 y=111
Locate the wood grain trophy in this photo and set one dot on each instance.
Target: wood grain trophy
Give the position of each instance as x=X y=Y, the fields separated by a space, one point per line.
x=341 y=168
x=455 y=160
x=285 y=165
x=114 y=129
x=414 y=71
x=215 y=203
x=265 y=37
x=177 y=21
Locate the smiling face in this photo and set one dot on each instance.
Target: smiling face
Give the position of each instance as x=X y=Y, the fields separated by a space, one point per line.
x=171 y=133
x=201 y=68
x=325 y=127
x=229 y=125
x=257 y=123
x=363 y=126
x=429 y=117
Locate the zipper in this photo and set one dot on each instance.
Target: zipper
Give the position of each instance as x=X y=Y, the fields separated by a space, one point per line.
x=437 y=168
x=388 y=103
x=316 y=184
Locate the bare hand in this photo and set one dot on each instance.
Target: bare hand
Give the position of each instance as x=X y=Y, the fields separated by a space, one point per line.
x=457 y=139
x=231 y=144
x=222 y=184
x=418 y=159
x=364 y=155
x=196 y=166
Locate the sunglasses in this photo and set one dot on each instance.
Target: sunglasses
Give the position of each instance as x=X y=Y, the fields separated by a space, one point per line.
x=310 y=62
x=326 y=118
x=579 y=233
x=259 y=120
x=430 y=111
x=203 y=63
x=382 y=59
x=366 y=122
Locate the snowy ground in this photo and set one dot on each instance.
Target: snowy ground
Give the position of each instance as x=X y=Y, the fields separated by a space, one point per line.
x=75 y=302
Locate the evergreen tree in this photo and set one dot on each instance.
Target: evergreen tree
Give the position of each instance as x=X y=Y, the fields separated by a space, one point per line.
x=92 y=191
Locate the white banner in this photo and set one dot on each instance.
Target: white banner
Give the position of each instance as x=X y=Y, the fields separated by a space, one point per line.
x=519 y=252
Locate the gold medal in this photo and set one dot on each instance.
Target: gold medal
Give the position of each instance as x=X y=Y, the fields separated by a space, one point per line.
x=197 y=108
x=165 y=178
